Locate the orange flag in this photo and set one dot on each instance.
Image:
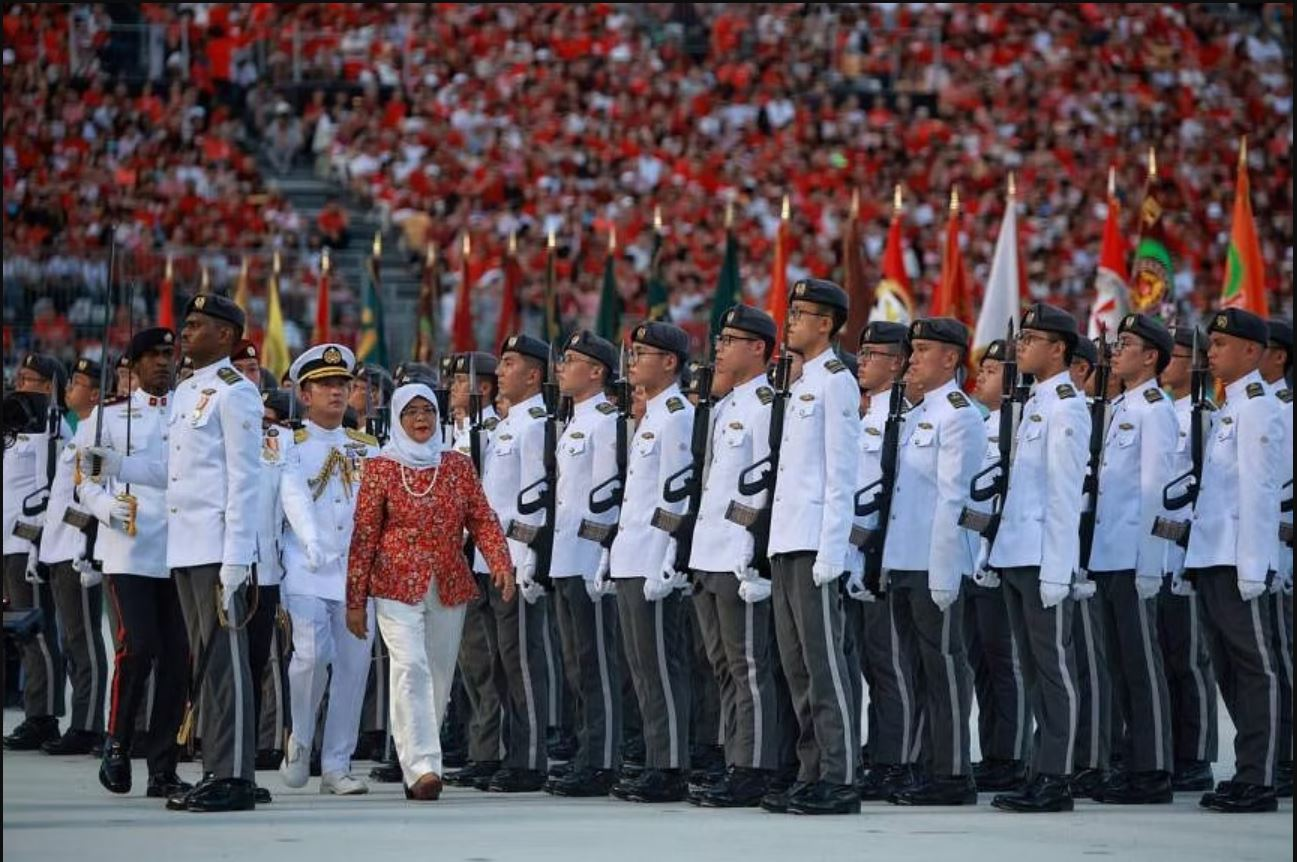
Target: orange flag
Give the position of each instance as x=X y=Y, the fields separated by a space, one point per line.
x=322 y=310
x=951 y=298
x=777 y=300
x=166 y=298
x=1244 y=273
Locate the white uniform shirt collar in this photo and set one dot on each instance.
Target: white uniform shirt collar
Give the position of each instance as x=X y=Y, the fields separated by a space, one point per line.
x=1050 y=387
x=583 y=408
x=533 y=401
x=211 y=369
x=318 y=430
x=817 y=364
x=657 y=401
x=1237 y=391
x=745 y=388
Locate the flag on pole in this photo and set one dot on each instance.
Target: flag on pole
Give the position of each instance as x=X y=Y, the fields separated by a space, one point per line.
x=510 y=310
x=242 y=293
x=892 y=301
x=461 y=329
x=1152 y=276
x=371 y=349
x=659 y=302
x=274 y=347
x=729 y=288
x=1006 y=286
x=777 y=301
x=425 y=333
x=951 y=298
x=323 y=312
x=1244 y=271
x=1111 y=297
x=166 y=296
x=853 y=275
x=608 y=322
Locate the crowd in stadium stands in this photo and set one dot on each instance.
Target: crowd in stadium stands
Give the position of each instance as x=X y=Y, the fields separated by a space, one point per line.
x=581 y=118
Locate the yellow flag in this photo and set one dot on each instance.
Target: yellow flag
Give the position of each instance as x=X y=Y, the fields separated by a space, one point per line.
x=274 y=349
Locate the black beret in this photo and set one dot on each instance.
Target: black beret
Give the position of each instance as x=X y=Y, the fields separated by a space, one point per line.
x=375 y=375
x=665 y=336
x=752 y=320
x=599 y=349
x=820 y=291
x=850 y=360
x=1087 y=350
x=947 y=330
x=124 y=361
x=220 y=307
x=1241 y=324
x=281 y=401
x=415 y=372
x=483 y=364
x=885 y=332
x=1048 y=318
x=89 y=368
x=147 y=339
x=995 y=350
x=245 y=349
x=1184 y=336
x=526 y=345
x=1280 y=332
x=45 y=365
x=1152 y=331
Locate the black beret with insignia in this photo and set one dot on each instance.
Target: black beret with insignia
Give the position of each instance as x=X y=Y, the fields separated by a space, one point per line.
x=1087 y=350
x=947 y=330
x=1280 y=333
x=1151 y=330
x=822 y=292
x=526 y=345
x=217 y=306
x=885 y=332
x=752 y=320
x=995 y=351
x=415 y=372
x=281 y=401
x=245 y=349
x=1049 y=318
x=44 y=365
x=601 y=350
x=89 y=368
x=483 y=364
x=1240 y=324
x=1184 y=336
x=664 y=336
x=147 y=340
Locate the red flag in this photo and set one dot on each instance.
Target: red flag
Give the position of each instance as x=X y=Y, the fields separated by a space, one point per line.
x=509 y=311
x=461 y=333
x=1111 y=299
x=1244 y=273
x=853 y=275
x=166 y=299
x=322 y=309
x=777 y=300
x=951 y=297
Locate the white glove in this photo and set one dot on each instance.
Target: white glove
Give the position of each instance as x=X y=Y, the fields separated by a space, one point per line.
x=1148 y=587
x=530 y=591
x=108 y=461
x=1181 y=587
x=314 y=557
x=856 y=587
x=592 y=589
x=33 y=573
x=119 y=514
x=232 y=577
x=90 y=576
x=1052 y=594
x=744 y=572
x=1249 y=590
x=825 y=573
x=943 y=599
x=754 y=591
x=988 y=578
x=1285 y=583
x=1082 y=588
x=603 y=584
x=657 y=589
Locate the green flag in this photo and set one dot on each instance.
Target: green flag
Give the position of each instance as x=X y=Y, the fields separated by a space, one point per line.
x=608 y=323
x=1152 y=275
x=658 y=303
x=729 y=290
x=371 y=349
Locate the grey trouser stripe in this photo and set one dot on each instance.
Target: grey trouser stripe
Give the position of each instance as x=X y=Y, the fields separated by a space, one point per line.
x=1020 y=697
x=749 y=655
x=91 y=633
x=1198 y=682
x=1061 y=654
x=1273 y=701
x=555 y=689
x=50 y=681
x=666 y=683
x=1144 y=609
x=906 y=744
x=1092 y=668
x=838 y=691
x=534 y=734
x=953 y=689
x=237 y=677
x=605 y=686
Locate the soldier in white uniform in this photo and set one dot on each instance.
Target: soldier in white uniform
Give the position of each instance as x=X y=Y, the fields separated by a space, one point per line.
x=25 y=481
x=1037 y=549
x=941 y=448
x=211 y=477
x=586 y=608
x=650 y=598
x=811 y=520
x=318 y=490
x=1127 y=560
x=78 y=596
x=151 y=627
x=1232 y=555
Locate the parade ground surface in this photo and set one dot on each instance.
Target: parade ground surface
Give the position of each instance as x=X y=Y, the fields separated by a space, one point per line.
x=55 y=810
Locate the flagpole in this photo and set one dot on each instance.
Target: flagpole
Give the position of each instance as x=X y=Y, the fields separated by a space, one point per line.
x=551 y=324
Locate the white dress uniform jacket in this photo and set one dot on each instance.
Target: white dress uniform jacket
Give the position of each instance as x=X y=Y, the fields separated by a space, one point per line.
x=1236 y=516
x=1181 y=461
x=24 y=473
x=210 y=473
x=146 y=553
x=462 y=443
x=321 y=478
x=514 y=460
x=60 y=541
x=659 y=449
x=587 y=457
x=942 y=447
x=1138 y=455
x=1040 y=524
x=740 y=436
x=275 y=443
x=1279 y=389
x=815 y=489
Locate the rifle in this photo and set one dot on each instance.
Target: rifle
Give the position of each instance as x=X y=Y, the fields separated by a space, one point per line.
x=126 y=496
x=544 y=491
x=1189 y=481
x=687 y=483
x=607 y=495
x=1098 y=415
x=876 y=497
x=377 y=416
x=474 y=434
x=442 y=393
x=83 y=522
x=763 y=475
x=992 y=483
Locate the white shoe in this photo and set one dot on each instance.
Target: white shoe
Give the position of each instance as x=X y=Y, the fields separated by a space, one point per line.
x=343 y=784
x=296 y=768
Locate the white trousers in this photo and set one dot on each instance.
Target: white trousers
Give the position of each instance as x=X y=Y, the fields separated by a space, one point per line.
x=321 y=639
x=423 y=644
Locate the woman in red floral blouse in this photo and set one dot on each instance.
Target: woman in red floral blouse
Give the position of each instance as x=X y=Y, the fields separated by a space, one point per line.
x=407 y=552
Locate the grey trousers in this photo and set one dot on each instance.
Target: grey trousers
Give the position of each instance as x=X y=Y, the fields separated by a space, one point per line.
x=655 y=637
x=1186 y=658
x=1137 y=674
x=272 y=714
x=1241 y=635
x=228 y=719
x=937 y=639
x=42 y=660
x=809 y=620
x=478 y=668
x=743 y=654
x=707 y=710
x=1281 y=610
x=559 y=717
x=80 y=613
x=588 y=633
x=520 y=629
x=853 y=625
x=893 y=717
x=1093 y=685
x=1002 y=721
x=1049 y=667
x=377 y=704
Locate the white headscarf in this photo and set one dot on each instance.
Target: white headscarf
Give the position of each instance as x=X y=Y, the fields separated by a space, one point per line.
x=400 y=447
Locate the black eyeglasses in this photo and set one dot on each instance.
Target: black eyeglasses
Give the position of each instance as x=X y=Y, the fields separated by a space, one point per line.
x=867 y=354
x=638 y=353
x=798 y=313
x=730 y=340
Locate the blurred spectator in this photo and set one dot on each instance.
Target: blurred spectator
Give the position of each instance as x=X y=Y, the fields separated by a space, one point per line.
x=283 y=139
x=333 y=223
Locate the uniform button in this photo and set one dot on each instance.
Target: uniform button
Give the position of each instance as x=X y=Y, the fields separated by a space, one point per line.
x=174 y=510
x=175 y=478
x=339 y=528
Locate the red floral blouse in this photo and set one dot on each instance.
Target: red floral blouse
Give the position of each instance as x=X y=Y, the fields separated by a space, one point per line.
x=402 y=541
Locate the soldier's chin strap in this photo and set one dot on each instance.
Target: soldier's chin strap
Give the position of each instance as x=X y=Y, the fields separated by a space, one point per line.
x=254 y=602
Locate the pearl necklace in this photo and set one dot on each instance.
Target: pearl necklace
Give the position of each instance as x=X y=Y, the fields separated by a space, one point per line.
x=405 y=483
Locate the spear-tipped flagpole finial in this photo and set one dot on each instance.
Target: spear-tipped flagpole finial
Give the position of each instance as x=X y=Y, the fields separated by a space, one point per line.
x=551 y=241
x=275 y=263
x=855 y=204
x=954 y=199
x=513 y=242
x=784 y=211
x=729 y=214
x=657 y=218
x=1112 y=181
x=467 y=245
x=205 y=281
x=898 y=199
x=1152 y=163
x=1242 y=152
x=170 y=267
x=1013 y=185
x=612 y=239
x=324 y=260
x=377 y=249
x=243 y=267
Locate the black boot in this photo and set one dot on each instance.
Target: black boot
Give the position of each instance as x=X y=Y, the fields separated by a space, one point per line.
x=1192 y=775
x=1283 y=780
x=1241 y=798
x=477 y=769
x=269 y=758
x=999 y=775
x=1137 y=788
x=115 y=768
x=660 y=785
x=73 y=742
x=513 y=780
x=939 y=790
x=387 y=772
x=32 y=734
x=742 y=787
x=582 y=783
x=1087 y=782
x=559 y=745
x=884 y=781
x=1043 y=793
x=163 y=785
x=825 y=798
x=219 y=794
x=781 y=792
x=626 y=784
